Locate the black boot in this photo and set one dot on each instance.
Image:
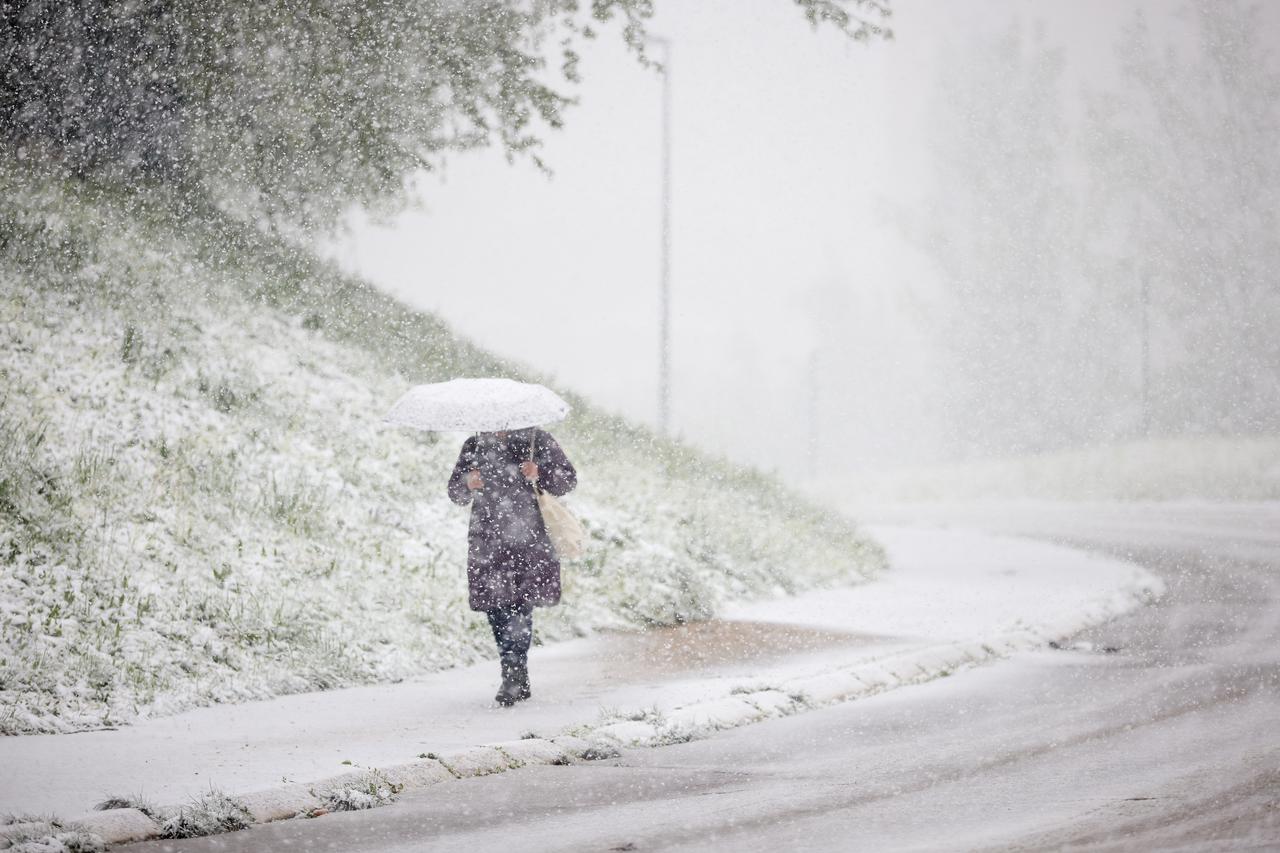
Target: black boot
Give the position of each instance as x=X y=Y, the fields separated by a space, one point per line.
x=522 y=681
x=509 y=692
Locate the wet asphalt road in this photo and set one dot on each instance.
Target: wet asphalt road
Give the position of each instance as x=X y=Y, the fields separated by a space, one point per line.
x=1170 y=742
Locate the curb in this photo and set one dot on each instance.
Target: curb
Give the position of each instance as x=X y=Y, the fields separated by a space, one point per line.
x=866 y=678
x=742 y=706
x=121 y=826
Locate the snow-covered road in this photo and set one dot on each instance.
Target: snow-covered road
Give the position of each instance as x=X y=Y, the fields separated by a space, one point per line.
x=1167 y=743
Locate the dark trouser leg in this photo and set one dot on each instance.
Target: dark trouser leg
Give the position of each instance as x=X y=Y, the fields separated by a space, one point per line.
x=512 y=632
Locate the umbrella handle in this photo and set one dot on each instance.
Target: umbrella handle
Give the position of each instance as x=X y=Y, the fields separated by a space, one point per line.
x=533 y=437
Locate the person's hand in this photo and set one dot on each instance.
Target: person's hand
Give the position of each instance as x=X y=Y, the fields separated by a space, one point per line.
x=473 y=480
x=529 y=470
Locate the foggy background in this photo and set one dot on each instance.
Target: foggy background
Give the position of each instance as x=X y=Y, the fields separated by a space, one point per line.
x=1018 y=227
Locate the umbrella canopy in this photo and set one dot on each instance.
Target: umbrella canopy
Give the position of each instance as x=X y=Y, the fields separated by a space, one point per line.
x=477 y=405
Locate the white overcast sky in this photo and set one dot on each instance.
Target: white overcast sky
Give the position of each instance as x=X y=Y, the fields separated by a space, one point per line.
x=790 y=147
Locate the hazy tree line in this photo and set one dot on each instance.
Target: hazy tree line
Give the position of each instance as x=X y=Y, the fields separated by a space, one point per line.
x=1113 y=272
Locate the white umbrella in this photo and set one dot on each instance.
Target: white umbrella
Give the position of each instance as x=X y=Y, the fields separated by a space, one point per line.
x=477 y=405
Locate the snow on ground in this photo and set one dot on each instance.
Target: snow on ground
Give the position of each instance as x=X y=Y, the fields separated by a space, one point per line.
x=199 y=502
x=952 y=600
x=957 y=591
x=1156 y=469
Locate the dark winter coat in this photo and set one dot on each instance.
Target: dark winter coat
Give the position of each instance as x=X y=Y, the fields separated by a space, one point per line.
x=510 y=561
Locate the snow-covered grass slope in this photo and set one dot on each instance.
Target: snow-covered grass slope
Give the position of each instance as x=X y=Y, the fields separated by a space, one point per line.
x=198 y=502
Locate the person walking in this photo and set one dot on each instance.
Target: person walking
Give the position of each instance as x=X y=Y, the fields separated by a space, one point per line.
x=512 y=566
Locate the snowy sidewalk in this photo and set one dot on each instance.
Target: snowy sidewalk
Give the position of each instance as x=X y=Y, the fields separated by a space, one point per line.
x=951 y=599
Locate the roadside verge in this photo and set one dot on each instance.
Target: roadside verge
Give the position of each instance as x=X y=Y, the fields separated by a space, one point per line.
x=953 y=600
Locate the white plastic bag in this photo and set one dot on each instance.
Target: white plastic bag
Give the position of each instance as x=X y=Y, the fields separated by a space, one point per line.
x=564 y=530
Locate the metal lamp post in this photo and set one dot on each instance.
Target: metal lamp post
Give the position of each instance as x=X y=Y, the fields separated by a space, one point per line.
x=664 y=300
x=1145 y=293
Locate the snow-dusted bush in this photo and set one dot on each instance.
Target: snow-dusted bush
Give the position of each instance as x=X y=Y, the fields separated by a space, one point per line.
x=372 y=790
x=28 y=834
x=210 y=814
x=198 y=502
x=136 y=801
